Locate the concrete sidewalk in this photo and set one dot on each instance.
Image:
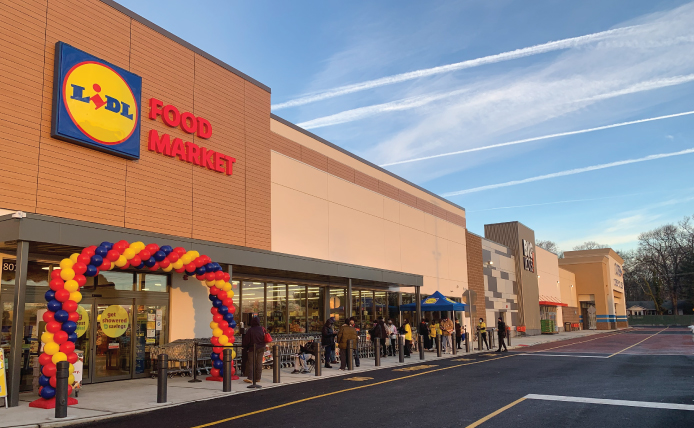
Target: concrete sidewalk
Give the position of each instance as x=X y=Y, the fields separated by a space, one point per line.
x=112 y=399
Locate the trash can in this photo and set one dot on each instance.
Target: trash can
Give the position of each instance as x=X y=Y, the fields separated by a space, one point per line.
x=567 y=326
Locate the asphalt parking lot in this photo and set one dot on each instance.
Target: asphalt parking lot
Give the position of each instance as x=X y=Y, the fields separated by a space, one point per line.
x=637 y=377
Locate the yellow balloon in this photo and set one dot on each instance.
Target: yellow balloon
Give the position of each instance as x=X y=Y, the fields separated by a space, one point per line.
x=233 y=354
x=121 y=261
x=112 y=266
x=223 y=340
x=209 y=283
x=219 y=283
x=71 y=369
x=71 y=285
x=51 y=348
x=185 y=259
x=213 y=325
x=226 y=287
x=178 y=264
x=71 y=379
x=73 y=257
x=76 y=296
x=194 y=254
x=217 y=332
x=66 y=264
x=168 y=268
x=67 y=273
x=129 y=253
x=230 y=293
x=47 y=337
x=58 y=357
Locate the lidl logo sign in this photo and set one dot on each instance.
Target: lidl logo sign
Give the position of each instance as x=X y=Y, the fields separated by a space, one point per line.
x=96 y=104
x=431 y=301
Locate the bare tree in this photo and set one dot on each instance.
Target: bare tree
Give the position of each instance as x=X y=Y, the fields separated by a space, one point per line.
x=590 y=245
x=550 y=246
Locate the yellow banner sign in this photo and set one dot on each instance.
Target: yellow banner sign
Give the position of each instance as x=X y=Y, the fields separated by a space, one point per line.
x=83 y=322
x=3 y=378
x=115 y=321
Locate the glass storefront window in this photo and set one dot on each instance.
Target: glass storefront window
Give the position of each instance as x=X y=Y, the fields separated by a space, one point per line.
x=367 y=309
x=381 y=303
x=151 y=331
x=276 y=307
x=122 y=281
x=31 y=341
x=38 y=274
x=356 y=304
x=296 y=303
x=337 y=305
x=393 y=309
x=153 y=282
x=252 y=301
x=316 y=316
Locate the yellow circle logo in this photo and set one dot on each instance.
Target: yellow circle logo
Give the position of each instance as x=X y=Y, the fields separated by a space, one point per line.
x=100 y=102
x=83 y=323
x=114 y=321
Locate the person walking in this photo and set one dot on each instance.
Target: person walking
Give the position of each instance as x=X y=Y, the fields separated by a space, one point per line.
x=502 y=334
x=344 y=335
x=447 y=328
x=423 y=331
x=408 y=338
x=458 y=334
x=254 y=363
x=353 y=323
x=392 y=337
x=482 y=328
x=328 y=342
x=433 y=328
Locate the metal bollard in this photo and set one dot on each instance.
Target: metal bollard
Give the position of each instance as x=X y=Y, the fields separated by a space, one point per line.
x=420 y=345
x=438 y=344
x=479 y=339
x=61 y=389
x=319 y=350
x=377 y=351
x=467 y=340
x=491 y=338
x=508 y=336
x=226 y=379
x=195 y=364
x=350 y=354
x=162 y=377
x=454 y=344
x=401 y=349
x=276 y=364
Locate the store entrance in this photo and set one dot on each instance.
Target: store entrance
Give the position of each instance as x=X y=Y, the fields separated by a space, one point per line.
x=113 y=339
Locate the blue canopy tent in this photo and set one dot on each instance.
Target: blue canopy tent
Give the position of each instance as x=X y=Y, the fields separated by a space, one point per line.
x=435 y=302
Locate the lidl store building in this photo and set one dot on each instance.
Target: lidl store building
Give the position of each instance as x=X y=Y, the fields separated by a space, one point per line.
x=116 y=130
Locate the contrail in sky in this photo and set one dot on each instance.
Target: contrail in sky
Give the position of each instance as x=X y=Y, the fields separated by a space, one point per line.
x=569 y=172
x=491 y=59
x=556 y=202
x=543 y=137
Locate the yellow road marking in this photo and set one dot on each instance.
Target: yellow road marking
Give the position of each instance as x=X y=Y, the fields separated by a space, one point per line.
x=629 y=347
x=358 y=379
x=415 y=368
x=491 y=415
x=315 y=397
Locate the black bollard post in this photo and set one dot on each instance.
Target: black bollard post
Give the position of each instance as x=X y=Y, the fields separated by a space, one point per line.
x=438 y=344
x=377 y=351
x=194 y=363
x=276 y=364
x=350 y=355
x=508 y=336
x=454 y=343
x=226 y=379
x=61 y=389
x=467 y=340
x=162 y=377
x=420 y=345
x=401 y=348
x=319 y=348
x=479 y=339
x=253 y=385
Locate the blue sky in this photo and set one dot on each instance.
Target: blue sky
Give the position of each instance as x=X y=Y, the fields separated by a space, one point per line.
x=337 y=68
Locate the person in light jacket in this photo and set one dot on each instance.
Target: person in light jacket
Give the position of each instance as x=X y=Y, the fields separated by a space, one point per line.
x=392 y=337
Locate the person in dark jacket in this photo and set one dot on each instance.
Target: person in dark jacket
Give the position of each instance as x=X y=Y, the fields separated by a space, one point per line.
x=382 y=333
x=458 y=333
x=254 y=336
x=424 y=332
x=502 y=334
x=328 y=341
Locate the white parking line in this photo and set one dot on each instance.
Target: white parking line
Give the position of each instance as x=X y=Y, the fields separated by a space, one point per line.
x=645 y=404
x=562 y=355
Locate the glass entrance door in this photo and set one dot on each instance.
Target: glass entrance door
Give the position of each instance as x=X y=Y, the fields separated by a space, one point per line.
x=113 y=344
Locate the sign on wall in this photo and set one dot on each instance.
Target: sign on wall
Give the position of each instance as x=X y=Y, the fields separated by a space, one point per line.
x=95 y=103
x=528 y=256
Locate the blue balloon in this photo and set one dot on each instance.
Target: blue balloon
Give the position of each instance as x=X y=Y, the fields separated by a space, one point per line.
x=142 y=266
x=209 y=267
x=72 y=337
x=50 y=295
x=159 y=255
x=97 y=260
x=150 y=262
x=217 y=303
x=48 y=392
x=61 y=316
x=232 y=324
x=54 y=306
x=214 y=356
x=221 y=372
x=218 y=364
x=217 y=267
x=201 y=270
x=44 y=380
x=106 y=245
x=91 y=270
x=223 y=310
x=212 y=297
x=229 y=317
x=167 y=249
x=101 y=251
x=69 y=327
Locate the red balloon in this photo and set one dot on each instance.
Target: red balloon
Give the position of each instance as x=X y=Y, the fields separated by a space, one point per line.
x=181 y=270
x=79 y=268
x=126 y=265
x=67 y=348
x=144 y=254
x=214 y=311
x=232 y=339
x=113 y=255
x=190 y=267
x=60 y=337
x=214 y=341
x=233 y=370
x=89 y=251
x=73 y=316
x=180 y=251
x=123 y=242
x=49 y=370
x=209 y=276
x=152 y=248
x=45 y=359
x=136 y=261
x=219 y=275
x=72 y=358
x=223 y=325
x=49 y=316
x=217 y=349
x=70 y=306
x=199 y=262
x=228 y=303
x=232 y=309
x=56 y=284
x=155 y=267
x=69 y=389
x=214 y=372
x=218 y=318
x=106 y=265
x=207 y=259
x=80 y=279
x=222 y=295
x=200 y=277
x=229 y=332
x=165 y=263
x=118 y=246
x=227 y=277
x=173 y=257
x=214 y=290
x=62 y=295
x=53 y=326
x=55 y=274
x=83 y=258
x=53 y=381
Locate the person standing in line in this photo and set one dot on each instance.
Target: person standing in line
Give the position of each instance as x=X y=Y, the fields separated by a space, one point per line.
x=346 y=333
x=423 y=331
x=458 y=334
x=447 y=328
x=383 y=335
x=328 y=342
x=393 y=336
x=353 y=323
x=433 y=328
x=408 y=338
x=502 y=335
x=254 y=364
x=483 y=332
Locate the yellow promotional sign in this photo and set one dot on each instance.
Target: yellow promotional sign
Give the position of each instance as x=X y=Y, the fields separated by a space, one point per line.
x=83 y=322
x=114 y=321
x=3 y=378
x=431 y=300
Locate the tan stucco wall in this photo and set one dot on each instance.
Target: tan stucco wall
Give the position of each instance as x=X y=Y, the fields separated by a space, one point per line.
x=567 y=286
x=319 y=215
x=548 y=272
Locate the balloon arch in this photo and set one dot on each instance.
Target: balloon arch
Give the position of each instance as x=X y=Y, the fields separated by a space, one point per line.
x=64 y=296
